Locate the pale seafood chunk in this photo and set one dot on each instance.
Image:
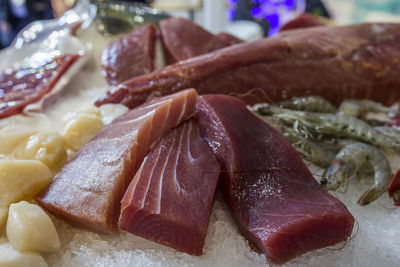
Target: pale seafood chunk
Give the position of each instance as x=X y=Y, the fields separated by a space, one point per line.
x=10 y=139
x=49 y=148
x=11 y=257
x=30 y=228
x=80 y=129
x=87 y=109
x=109 y=112
x=20 y=180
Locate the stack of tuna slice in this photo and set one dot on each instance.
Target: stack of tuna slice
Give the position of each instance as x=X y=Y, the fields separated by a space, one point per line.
x=153 y=172
x=89 y=189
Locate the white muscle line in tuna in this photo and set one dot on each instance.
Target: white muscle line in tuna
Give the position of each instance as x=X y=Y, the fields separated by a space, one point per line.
x=191 y=158
x=138 y=174
x=148 y=114
x=149 y=177
x=166 y=119
x=183 y=109
x=176 y=182
x=154 y=105
x=162 y=178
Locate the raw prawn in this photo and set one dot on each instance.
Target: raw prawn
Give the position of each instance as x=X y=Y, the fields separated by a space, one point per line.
x=358 y=108
x=349 y=161
x=389 y=131
x=333 y=124
x=307 y=148
x=394 y=188
x=308 y=103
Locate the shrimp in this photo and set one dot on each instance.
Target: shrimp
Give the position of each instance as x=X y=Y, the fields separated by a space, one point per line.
x=333 y=124
x=307 y=148
x=358 y=108
x=347 y=164
x=389 y=131
x=308 y=103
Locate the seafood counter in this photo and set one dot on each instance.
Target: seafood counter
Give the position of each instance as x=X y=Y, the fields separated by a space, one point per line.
x=136 y=152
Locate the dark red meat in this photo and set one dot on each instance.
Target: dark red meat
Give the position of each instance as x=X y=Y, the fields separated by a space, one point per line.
x=271 y=194
x=169 y=201
x=22 y=86
x=183 y=39
x=224 y=39
x=356 y=61
x=304 y=20
x=89 y=188
x=129 y=56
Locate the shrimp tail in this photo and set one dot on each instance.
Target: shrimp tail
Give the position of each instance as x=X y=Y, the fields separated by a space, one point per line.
x=371 y=195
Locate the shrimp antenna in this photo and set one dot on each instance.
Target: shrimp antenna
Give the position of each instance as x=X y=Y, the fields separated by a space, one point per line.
x=260 y=97
x=357 y=228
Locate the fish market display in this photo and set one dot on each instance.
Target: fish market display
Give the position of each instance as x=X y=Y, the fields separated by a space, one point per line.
x=25 y=85
x=183 y=39
x=129 y=56
x=170 y=198
x=88 y=190
x=274 y=199
x=149 y=177
x=356 y=61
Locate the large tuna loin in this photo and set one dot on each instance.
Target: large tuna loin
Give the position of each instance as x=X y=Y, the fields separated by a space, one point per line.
x=89 y=188
x=129 y=56
x=169 y=201
x=271 y=194
x=356 y=61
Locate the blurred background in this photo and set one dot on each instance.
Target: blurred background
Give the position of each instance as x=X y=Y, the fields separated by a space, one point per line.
x=247 y=19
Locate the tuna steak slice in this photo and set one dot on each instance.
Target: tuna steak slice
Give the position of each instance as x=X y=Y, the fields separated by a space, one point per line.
x=271 y=194
x=183 y=39
x=129 y=56
x=89 y=188
x=356 y=61
x=170 y=199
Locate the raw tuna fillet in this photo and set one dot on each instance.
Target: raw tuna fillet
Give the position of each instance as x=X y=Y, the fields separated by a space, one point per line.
x=129 y=56
x=272 y=196
x=304 y=20
x=183 y=39
x=89 y=188
x=170 y=199
x=357 y=61
x=22 y=86
x=224 y=39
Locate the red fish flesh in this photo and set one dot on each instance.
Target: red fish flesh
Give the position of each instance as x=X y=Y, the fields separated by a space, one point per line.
x=25 y=85
x=304 y=20
x=129 y=56
x=170 y=199
x=356 y=61
x=183 y=39
x=272 y=196
x=89 y=188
